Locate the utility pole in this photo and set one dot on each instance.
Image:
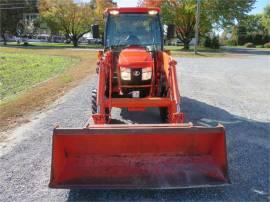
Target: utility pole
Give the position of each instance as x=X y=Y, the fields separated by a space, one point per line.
x=197 y=26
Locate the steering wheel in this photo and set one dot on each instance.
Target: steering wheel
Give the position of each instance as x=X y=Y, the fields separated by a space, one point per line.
x=132 y=40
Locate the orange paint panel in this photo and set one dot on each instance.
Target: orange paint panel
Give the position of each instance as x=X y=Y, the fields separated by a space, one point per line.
x=134 y=57
x=138 y=102
x=166 y=61
x=131 y=156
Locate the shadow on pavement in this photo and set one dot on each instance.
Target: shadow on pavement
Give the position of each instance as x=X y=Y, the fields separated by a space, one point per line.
x=148 y=116
x=249 y=51
x=248 y=154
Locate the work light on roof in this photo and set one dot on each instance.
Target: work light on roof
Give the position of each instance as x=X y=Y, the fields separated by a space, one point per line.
x=152 y=12
x=114 y=12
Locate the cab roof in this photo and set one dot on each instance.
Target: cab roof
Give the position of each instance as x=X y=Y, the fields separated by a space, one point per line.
x=132 y=9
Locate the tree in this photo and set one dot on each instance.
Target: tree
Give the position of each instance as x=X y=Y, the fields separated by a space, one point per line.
x=213 y=14
x=71 y=18
x=150 y=3
x=234 y=36
x=99 y=6
x=253 y=24
x=11 y=13
x=182 y=15
x=266 y=18
x=47 y=17
x=249 y=29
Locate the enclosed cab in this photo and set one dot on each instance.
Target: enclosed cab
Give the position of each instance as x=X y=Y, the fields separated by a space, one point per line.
x=134 y=37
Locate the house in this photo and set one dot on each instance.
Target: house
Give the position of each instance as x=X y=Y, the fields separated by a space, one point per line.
x=29 y=20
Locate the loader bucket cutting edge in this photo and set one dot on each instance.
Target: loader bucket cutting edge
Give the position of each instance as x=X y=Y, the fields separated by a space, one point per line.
x=136 y=157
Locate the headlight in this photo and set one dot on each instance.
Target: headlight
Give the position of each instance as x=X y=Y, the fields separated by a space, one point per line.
x=146 y=73
x=125 y=73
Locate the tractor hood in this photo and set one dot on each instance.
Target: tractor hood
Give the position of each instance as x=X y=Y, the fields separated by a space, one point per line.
x=134 y=57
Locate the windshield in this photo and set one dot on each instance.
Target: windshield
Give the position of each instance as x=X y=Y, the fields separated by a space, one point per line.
x=134 y=29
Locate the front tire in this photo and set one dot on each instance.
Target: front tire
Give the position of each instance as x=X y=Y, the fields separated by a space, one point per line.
x=94 y=105
x=164 y=114
x=94 y=101
x=163 y=111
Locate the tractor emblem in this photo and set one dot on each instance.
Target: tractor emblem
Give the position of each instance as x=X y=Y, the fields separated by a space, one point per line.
x=136 y=73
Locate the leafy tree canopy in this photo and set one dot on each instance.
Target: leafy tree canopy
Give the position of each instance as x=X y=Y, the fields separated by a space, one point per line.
x=71 y=18
x=11 y=13
x=266 y=18
x=99 y=6
x=252 y=24
x=213 y=13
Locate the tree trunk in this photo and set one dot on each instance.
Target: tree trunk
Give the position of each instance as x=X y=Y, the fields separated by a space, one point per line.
x=75 y=41
x=4 y=38
x=186 y=45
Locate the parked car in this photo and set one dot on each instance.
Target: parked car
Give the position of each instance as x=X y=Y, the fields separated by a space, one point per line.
x=12 y=38
x=174 y=42
x=67 y=41
x=43 y=38
x=58 y=39
x=98 y=41
x=94 y=41
x=83 y=40
x=33 y=40
x=91 y=41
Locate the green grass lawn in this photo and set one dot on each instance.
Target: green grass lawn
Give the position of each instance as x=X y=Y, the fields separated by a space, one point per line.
x=20 y=71
x=260 y=47
x=191 y=49
x=179 y=51
x=32 y=78
x=51 y=45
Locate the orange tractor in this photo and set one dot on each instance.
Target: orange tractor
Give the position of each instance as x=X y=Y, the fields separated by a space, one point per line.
x=134 y=72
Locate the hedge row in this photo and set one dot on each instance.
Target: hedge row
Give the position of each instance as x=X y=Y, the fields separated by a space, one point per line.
x=256 y=39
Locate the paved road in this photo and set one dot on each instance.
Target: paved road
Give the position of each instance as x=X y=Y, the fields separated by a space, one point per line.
x=232 y=91
x=249 y=51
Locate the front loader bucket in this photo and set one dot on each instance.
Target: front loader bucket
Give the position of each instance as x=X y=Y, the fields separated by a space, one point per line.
x=139 y=157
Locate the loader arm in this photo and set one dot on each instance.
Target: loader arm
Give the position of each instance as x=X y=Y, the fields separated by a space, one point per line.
x=170 y=71
x=104 y=71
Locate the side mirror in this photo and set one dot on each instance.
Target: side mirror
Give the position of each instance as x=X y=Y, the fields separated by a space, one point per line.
x=170 y=31
x=95 y=31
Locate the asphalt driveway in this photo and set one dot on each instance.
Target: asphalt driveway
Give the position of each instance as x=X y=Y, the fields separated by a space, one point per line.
x=233 y=91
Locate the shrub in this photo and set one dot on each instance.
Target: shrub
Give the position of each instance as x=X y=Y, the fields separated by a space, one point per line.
x=211 y=43
x=249 y=45
x=207 y=42
x=215 y=43
x=255 y=38
x=266 y=45
x=231 y=43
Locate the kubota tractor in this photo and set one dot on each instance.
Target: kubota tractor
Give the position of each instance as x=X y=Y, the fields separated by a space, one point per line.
x=134 y=72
